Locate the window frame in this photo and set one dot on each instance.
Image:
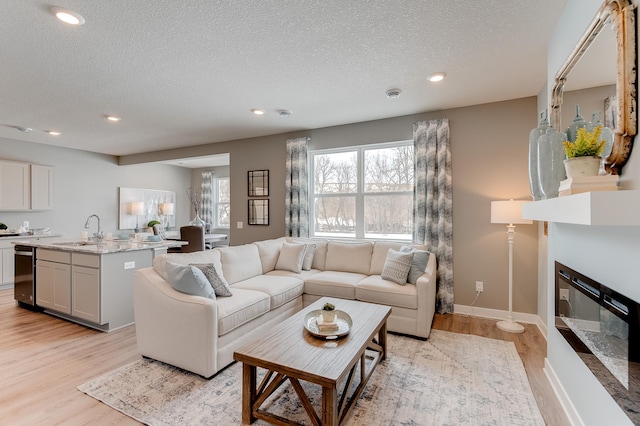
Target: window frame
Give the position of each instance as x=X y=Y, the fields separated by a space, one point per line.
x=217 y=203
x=359 y=195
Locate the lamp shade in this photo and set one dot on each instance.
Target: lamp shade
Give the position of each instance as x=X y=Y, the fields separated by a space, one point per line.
x=166 y=209
x=137 y=207
x=508 y=212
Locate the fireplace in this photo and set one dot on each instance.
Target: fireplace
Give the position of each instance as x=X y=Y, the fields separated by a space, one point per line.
x=602 y=326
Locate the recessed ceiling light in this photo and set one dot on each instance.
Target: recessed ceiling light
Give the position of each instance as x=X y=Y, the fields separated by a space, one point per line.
x=53 y=132
x=113 y=118
x=393 y=93
x=67 y=16
x=284 y=113
x=437 y=76
x=257 y=111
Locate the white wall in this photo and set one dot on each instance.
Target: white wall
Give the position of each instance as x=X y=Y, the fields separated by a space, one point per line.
x=87 y=183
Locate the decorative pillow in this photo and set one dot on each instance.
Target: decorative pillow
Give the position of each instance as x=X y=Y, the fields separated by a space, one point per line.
x=219 y=284
x=418 y=264
x=396 y=267
x=291 y=257
x=189 y=280
x=309 y=252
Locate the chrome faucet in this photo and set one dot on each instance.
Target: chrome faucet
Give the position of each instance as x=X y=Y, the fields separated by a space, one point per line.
x=99 y=235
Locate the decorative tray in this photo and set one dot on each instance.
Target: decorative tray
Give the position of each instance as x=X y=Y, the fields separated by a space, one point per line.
x=342 y=318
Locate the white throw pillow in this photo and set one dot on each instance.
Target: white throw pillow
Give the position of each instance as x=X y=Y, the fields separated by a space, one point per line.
x=291 y=257
x=309 y=252
x=396 y=267
x=190 y=280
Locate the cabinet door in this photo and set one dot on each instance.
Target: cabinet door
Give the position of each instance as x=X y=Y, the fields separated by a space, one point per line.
x=14 y=186
x=85 y=284
x=41 y=187
x=8 y=265
x=53 y=286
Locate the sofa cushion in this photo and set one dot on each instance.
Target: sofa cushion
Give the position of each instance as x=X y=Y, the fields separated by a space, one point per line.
x=291 y=257
x=189 y=280
x=207 y=256
x=374 y=289
x=379 y=255
x=219 y=284
x=396 y=267
x=240 y=262
x=303 y=275
x=269 y=251
x=349 y=257
x=320 y=255
x=418 y=263
x=309 y=252
x=244 y=306
x=333 y=283
x=280 y=289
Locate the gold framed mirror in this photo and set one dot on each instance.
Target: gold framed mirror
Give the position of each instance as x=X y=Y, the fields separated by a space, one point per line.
x=620 y=15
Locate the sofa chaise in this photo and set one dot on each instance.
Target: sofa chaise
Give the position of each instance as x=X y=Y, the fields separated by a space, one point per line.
x=268 y=284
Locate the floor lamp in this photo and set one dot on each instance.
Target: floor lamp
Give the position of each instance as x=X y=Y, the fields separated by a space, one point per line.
x=510 y=213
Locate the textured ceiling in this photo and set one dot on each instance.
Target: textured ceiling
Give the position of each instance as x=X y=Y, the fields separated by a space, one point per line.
x=187 y=72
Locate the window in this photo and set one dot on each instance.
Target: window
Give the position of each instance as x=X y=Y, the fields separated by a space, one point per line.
x=221 y=205
x=362 y=192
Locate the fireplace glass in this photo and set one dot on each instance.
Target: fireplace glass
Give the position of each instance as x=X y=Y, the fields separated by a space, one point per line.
x=601 y=325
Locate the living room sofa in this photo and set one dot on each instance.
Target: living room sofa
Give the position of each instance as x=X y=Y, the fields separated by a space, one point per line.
x=200 y=334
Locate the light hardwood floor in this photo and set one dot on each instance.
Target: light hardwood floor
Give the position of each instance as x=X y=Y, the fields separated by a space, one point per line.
x=43 y=359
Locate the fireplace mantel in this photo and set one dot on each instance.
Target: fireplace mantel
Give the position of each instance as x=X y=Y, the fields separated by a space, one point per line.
x=601 y=208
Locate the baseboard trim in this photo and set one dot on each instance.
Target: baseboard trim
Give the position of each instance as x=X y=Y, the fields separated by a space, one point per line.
x=498 y=314
x=561 y=394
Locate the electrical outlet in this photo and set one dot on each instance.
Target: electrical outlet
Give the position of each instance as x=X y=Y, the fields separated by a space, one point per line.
x=479 y=286
x=564 y=294
x=129 y=265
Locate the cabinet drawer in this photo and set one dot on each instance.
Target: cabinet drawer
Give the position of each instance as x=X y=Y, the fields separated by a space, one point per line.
x=90 y=260
x=53 y=255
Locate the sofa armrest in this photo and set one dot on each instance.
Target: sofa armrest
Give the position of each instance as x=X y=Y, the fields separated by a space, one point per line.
x=174 y=327
x=426 y=287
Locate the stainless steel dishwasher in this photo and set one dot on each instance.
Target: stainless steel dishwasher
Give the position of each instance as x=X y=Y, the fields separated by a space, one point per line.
x=24 y=282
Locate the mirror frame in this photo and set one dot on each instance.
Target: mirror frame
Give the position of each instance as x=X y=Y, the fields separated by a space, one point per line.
x=622 y=14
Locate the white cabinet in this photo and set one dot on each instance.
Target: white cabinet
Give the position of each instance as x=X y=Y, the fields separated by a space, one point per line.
x=85 y=285
x=53 y=280
x=7 y=267
x=41 y=187
x=14 y=186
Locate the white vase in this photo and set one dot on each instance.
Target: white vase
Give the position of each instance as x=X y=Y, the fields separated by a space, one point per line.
x=328 y=316
x=582 y=166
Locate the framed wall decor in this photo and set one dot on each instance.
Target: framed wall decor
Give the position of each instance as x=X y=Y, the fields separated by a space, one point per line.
x=258 y=212
x=137 y=206
x=258 y=183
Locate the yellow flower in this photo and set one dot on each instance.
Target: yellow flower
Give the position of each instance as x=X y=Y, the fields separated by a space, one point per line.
x=586 y=144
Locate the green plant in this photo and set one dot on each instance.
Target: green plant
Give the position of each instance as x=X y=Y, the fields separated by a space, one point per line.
x=587 y=144
x=153 y=222
x=3 y=226
x=328 y=307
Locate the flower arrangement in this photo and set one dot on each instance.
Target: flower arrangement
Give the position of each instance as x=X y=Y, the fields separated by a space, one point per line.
x=328 y=307
x=195 y=197
x=586 y=144
x=328 y=313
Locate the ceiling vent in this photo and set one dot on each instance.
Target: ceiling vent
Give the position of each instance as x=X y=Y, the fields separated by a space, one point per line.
x=393 y=93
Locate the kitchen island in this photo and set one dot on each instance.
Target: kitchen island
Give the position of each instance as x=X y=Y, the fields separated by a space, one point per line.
x=90 y=282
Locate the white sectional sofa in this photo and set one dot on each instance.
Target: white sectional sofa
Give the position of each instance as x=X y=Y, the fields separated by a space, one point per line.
x=200 y=334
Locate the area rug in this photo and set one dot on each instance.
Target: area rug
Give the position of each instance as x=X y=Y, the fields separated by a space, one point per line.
x=450 y=379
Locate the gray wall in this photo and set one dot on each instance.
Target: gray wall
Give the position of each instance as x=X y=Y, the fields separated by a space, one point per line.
x=87 y=183
x=489 y=149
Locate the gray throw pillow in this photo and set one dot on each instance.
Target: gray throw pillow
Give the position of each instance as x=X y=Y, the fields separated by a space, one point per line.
x=219 y=284
x=190 y=280
x=396 y=266
x=418 y=264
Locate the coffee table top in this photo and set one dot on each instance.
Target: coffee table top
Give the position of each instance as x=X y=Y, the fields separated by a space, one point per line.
x=291 y=349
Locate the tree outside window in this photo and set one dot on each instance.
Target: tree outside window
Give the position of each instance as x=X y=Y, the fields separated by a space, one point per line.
x=222 y=206
x=363 y=192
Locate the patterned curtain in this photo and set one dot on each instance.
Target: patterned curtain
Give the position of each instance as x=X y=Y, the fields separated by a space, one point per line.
x=296 y=220
x=207 y=197
x=432 y=202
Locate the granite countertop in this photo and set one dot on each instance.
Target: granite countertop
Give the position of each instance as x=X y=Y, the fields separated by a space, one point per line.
x=105 y=247
x=26 y=235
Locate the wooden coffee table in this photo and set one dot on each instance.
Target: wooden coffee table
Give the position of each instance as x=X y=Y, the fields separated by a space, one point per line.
x=290 y=352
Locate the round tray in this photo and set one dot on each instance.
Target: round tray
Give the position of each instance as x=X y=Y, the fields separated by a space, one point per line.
x=342 y=318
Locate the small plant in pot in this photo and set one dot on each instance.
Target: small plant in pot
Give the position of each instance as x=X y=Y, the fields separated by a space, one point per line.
x=583 y=155
x=328 y=312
